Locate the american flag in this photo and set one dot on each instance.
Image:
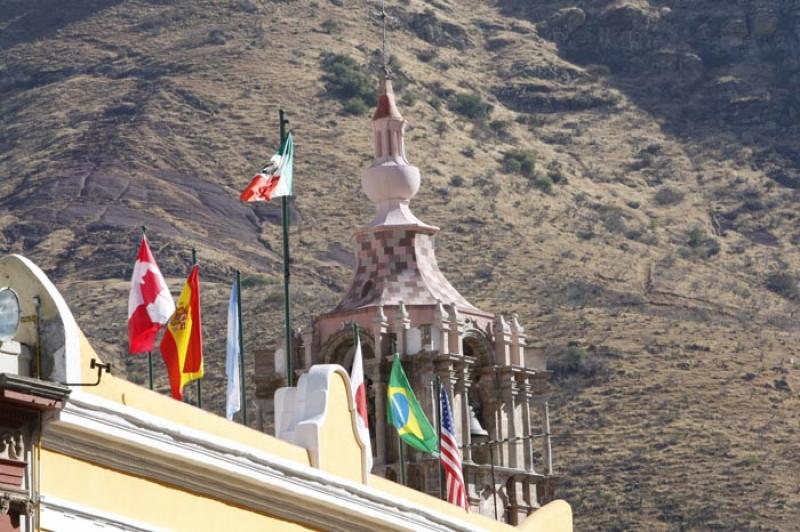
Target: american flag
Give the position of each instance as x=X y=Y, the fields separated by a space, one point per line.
x=450 y=455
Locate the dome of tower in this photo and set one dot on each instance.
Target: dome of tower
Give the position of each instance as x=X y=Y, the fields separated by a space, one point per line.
x=390 y=181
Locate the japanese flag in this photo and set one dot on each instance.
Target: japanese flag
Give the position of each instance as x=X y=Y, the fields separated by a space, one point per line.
x=360 y=396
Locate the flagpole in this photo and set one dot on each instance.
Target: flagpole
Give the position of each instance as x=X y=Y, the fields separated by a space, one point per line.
x=241 y=346
x=287 y=318
x=402 y=460
x=438 y=381
x=150 y=353
x=199 y=390
x=150 y=368
x=400 y=447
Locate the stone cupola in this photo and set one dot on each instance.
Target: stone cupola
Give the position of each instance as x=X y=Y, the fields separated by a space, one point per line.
x=395 y=255
x=390 y=181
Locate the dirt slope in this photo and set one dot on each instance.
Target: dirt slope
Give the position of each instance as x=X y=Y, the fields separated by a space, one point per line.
x=654 y=249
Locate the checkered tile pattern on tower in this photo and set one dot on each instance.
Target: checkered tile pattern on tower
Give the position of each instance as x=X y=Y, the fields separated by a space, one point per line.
x=397 y=265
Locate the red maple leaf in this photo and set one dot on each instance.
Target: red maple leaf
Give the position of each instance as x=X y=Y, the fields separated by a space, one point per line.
x=150 y=287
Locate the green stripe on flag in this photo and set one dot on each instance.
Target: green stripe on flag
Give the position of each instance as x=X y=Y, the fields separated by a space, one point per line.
x=286 y=167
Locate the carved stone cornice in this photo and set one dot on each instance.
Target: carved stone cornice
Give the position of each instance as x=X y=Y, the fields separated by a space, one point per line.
x=446 y=365
x=524 y=383
x=15 y=503
x=465 y=363
x=112 y=435
x=464 y=368
x=32 y=393
x=12 y=445
x=507 y=379
x=503 y=473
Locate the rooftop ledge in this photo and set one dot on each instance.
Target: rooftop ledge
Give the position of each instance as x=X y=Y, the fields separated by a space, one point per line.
x=131 y=429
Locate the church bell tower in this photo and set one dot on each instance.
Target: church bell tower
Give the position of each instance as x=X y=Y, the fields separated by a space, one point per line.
x=399 y=296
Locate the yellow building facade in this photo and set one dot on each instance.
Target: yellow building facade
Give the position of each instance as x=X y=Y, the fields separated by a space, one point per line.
x=116 y=456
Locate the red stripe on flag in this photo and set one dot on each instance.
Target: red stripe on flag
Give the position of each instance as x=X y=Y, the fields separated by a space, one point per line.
x=169 y=352
x=141 y=331
x=361 y=403
x=194 y=355
x=450 y=457
x=260 y=188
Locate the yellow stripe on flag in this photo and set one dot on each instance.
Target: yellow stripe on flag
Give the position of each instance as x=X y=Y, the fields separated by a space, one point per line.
x=182 y=344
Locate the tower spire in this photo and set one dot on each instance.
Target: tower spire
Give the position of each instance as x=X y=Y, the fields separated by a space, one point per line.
x=390 y=181
x=387 y=108
x=384 y=16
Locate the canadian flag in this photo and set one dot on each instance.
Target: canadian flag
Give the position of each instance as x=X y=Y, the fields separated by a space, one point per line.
x=360 y=397
x=150 y=304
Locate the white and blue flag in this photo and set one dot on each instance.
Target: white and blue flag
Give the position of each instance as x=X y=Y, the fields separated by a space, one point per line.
x=233 y=402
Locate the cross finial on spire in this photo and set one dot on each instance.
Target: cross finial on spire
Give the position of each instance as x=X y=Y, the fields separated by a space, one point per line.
x=384 y=16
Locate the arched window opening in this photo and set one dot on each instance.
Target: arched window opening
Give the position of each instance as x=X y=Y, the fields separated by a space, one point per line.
x=476 y=345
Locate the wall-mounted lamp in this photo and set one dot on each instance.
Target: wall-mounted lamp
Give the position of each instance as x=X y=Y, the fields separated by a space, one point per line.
x=94 y=364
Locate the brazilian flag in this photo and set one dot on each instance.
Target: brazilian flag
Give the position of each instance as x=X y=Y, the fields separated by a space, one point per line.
x=404 y=412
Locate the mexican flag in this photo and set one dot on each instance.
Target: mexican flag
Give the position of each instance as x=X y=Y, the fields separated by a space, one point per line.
x=275 y=179
x=405 y=413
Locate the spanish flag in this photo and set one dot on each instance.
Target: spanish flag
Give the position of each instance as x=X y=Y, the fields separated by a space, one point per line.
x=182 y=344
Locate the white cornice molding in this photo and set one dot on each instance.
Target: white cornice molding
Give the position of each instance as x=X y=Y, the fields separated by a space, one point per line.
x=113 y=435
x=58 y=514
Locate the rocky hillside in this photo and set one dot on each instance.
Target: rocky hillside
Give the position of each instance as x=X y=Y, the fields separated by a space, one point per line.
x=624 y=174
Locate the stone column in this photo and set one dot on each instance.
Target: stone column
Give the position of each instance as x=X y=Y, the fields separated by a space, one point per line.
x=518 y=341
x=462 y=389
x=548 y=449
x=508 y=387
x=527 y=494
x=423 y=368
x=456 y=329
x=524 y=395
x=513 y=501
x=308 y=351
x=502 y=341
x=402 y=323
x=441 y=329
x=374 y=372
x=380 y=326
x=491 y=403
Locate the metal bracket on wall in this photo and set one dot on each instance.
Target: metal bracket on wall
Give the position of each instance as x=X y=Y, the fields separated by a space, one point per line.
x=93 y=365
